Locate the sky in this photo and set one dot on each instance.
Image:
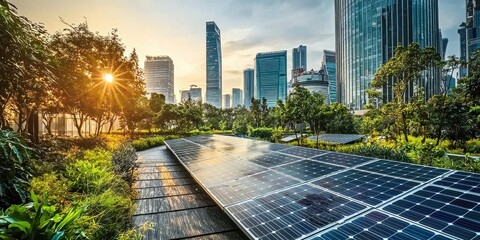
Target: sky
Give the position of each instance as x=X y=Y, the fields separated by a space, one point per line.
x=177 y=28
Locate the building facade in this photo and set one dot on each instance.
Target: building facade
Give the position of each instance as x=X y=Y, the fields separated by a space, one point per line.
x=469 y=33
x=214 y=65
x=248 y=86
x=194 y=93
x=329 y=67
x=159 y=76
x=299 y=57
x=271 y=76
x=313 y=81
x=226 y=101
x=236 y=97
x=367 y=34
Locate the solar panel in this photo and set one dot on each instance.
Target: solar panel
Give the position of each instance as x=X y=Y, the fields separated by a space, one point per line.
x=377 y=225
x=367 y=187
x=342 y=159
x=277 y=191
x=450 y=211
x=293 y=213
x=337 y=138
x=404 y=170
x=273 y=159
x=307 y=169
x=302 y=152
x=251 y=186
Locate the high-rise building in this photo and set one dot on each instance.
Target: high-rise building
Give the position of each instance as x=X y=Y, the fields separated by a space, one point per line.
x=313 y=81
x=194 y=93
x=159 y=76
x=248 y=86
x=226 y=101
x=299 y=57
x=367 y=34
x=271 y=76
x=236 y=97
x=214 y=65
x=329 y=66
x=469 y=33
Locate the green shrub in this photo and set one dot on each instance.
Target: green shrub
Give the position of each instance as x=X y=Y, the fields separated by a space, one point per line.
x=53 y=185
x=146 y=143
x=39 y=220
x=473 y=146
x=427 y=154
x=261 y=133
x=15 y=169
x=124 y=162
x=276 y=136
x=110 y=212
x=136 y=233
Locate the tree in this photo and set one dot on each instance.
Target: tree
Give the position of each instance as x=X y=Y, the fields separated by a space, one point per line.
x=472 y=81
x=404 y=68
x=296 y=108
x=317 y=116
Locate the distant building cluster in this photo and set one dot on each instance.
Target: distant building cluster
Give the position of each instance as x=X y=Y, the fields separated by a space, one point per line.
x=194 y=94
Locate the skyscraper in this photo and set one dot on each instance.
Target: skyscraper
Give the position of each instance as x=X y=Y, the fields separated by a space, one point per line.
x=159 y=76
x=226 y=101
x=469 y=33
x=367 y=34
x=214 y=65
x=329 y=66
x=299 y=57
x=248 y=86
x=236 y=97
x=271 y=76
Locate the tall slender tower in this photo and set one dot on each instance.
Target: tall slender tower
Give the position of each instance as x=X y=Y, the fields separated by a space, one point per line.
x=299 y=58
x=469 y=33
x=214 y=65
x=248 y=86
x=367 y=34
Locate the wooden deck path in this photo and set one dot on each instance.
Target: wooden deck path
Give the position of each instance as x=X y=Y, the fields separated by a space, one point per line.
x=179 y=208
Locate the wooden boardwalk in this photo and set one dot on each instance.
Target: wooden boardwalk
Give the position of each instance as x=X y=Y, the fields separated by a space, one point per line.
x=178 y=207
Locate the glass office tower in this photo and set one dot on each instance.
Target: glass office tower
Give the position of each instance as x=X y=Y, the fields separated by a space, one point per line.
x=214 y=66
x=367 y=33
x=236 y=97
x=159 y=76
x=330 y=68
x=299 y=58
x=469 y=33
x=271 y=76
x=248 y=86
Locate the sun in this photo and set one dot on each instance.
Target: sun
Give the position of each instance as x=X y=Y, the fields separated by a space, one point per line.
x=108 y=78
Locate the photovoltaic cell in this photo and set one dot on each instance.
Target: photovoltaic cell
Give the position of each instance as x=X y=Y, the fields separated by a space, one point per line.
x=273 y=159
x=302 y=152
x=342 y=159
x=449 y=211
x=337 y=138
x=462 y=181
x=379 y=226
x=307 y=169
x=252 y=186
x=404 y=170
x=369 y=188
x=292 y=213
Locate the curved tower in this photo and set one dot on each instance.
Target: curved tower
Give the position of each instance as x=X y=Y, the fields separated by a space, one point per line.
x=367 y=33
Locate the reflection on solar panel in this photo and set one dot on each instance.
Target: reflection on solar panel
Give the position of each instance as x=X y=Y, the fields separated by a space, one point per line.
x=404 y=170
x=277 y=191
x=337 y=138
x=367 y=187
x=378 y=226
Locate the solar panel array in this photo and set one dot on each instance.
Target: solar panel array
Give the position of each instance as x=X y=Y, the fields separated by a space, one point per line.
x=277 y=191
x=337 y=138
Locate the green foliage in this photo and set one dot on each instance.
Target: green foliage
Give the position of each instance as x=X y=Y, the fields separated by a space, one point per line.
x=108 y=214
x=427 y=154
x=371 y=150
x=124 y=162
x=136 y=234
x=473 y=146
x=55 y=186
x=15 y=169
x=146 y=143
x=39 y=220
x=261 y=133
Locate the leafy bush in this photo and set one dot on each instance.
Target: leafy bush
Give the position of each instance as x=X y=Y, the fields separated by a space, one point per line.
x=370 y=150
x=55 y=185
x=427 y=154
x=15 y=169
x=137 y=234
x=146 y=143
x=276 y=136
x=39 y=220
x=124 y=162
x=261 y=133
x=111 y=213
x=473 y=146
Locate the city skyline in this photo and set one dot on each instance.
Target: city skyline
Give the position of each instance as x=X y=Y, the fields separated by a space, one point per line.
x=177 y=29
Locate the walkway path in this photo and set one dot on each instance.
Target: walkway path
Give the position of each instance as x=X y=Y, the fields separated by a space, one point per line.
x=170 y=198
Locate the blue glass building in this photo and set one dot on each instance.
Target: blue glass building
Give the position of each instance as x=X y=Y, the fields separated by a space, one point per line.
x=330 y=68
x=299 y=57
x=271 y=76
x=248 y=86
x=236 y=97
x=367 y=33
x=469 y=33
x=214 y=66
